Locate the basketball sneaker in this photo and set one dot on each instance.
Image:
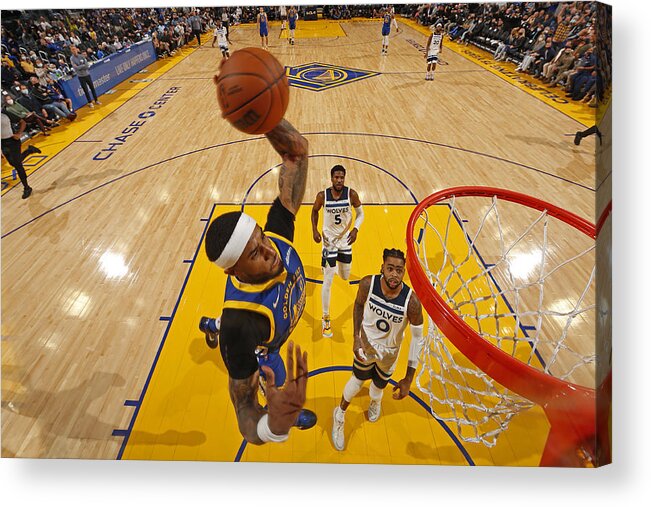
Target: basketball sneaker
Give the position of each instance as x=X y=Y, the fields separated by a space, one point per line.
x=338 y=428
x=210 y=328
x=326 y=330
x=374 y=410
x=305 y=420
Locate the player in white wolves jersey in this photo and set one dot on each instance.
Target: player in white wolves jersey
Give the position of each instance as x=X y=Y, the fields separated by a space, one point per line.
x=338 y=202
x=221 y=36
x=434 y=48
x=383 y=307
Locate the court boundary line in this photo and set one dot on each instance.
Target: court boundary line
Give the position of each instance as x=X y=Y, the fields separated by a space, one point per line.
x=127 y=433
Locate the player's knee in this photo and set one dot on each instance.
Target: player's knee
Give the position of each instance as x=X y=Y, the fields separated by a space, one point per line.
x=352 y=387
x=344 y=271
x=329 y=273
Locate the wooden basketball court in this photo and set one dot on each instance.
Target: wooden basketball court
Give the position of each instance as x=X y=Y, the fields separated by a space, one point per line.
x=104 y=277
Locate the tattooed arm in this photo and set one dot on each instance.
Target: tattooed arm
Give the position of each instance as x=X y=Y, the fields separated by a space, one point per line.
x=293 y=148
x=283 y=405
x=244 y=395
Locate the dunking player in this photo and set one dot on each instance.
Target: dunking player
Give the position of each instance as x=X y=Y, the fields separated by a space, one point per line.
x=337 y=201
x=389 y=18
x=383 y=306
x=291 y=18
x=263 y=302
x=434 y=49
x=263 y=28
x=221 y=37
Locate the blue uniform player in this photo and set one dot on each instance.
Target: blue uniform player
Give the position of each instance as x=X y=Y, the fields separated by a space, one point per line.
x=263 y=301
x=291 y=18
x=263 y=28
x=388 y=19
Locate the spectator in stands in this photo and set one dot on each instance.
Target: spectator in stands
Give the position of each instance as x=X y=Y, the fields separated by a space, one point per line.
x=562 y=31
x=54 y=108
x=90 y=55
x=532 y=54
x=545 y=55
x=583 y=77
x=18 y=112
x=28 y=100
x=504 y=46
x=27 y=66
x=56 y=94
x=559 y=68
x=9 y=74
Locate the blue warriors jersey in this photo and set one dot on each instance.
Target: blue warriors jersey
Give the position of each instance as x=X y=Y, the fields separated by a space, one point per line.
x=386 y=27
x=281 y=299
x=292 y=21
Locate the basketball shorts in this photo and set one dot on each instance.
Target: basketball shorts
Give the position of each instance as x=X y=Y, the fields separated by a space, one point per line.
x=274 y=361
x=385 y=31
x=292 y=26
x=264 y=32
x=336 y=251
x=379 y=370
x=224 y=48
x=432 y=57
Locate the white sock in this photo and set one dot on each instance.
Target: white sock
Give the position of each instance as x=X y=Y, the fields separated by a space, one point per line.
x=326 y=289
x=375 y=392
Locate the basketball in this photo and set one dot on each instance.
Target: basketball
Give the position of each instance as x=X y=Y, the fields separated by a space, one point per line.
x=252 y=90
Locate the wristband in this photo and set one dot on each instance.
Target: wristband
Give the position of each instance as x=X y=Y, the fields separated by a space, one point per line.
x=265 y=434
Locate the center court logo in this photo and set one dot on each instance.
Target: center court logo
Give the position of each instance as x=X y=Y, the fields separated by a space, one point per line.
x=322 y=76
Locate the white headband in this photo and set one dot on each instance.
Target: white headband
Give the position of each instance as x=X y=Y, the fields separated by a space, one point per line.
x=237 y=242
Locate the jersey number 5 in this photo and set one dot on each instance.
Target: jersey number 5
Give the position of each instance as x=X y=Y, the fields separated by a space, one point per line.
x=337 y=219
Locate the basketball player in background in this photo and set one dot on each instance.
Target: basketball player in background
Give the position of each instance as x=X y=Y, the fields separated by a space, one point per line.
x=338 y=237
x=383 y=307
x=291 y=18
x=283 y=17
x=434 y=49
x=389 y=19
x=263 y=28
x=220 y=36
x=263 y=301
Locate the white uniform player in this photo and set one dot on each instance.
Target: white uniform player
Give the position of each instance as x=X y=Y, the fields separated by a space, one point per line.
x=283 y=17
x=383 y=307
x=434 y=48
x=221 y=36
x=337 y=202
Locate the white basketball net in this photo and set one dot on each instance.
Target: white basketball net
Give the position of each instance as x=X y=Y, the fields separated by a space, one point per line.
x=506 y=283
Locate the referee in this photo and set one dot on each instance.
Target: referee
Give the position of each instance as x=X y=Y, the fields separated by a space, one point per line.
x=11 y=150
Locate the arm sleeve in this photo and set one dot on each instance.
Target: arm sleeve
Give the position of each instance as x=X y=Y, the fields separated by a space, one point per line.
x=241 y=332
x=280 y=221
x=415 y=346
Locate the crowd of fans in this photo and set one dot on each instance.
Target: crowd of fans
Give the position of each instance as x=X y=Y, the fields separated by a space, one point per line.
x=36 y=50
x=556 y=43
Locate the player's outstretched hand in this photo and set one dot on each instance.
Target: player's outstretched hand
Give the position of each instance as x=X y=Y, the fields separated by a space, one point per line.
x=401 y=390
x=284 y=405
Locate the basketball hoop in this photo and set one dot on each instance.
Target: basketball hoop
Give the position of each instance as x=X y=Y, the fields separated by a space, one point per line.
x=482 y=281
